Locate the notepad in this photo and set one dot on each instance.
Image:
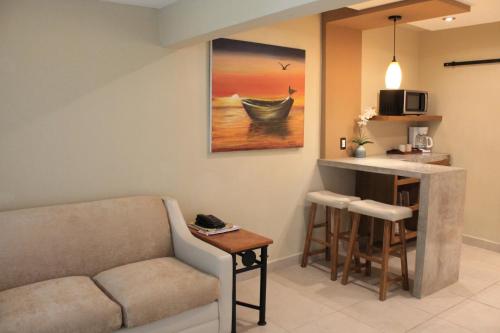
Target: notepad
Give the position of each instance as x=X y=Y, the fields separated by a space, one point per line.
x=209 y=232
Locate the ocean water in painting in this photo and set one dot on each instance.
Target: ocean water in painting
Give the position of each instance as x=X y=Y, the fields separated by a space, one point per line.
x=257 y=96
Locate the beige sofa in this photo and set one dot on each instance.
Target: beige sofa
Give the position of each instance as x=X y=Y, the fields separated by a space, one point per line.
x=127 y=264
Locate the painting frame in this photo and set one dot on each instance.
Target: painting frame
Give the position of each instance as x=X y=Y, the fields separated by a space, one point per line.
x=269 y=122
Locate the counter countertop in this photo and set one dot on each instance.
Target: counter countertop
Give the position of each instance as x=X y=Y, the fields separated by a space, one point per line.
x=401 y=165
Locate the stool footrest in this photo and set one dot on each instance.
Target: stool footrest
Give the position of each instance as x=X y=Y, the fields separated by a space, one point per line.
x=319 y=225
x=378 y=260
x=395 y=279
x=377 y=252
x=344 y=235
x=327 y=244
x=318 y=251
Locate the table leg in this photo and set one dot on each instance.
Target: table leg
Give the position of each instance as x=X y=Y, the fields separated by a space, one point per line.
x=233 y=319
x=263 y=282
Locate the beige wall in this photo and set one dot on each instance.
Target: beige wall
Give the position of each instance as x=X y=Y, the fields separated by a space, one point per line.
x=92 y=107
x=341 y=88
x=468 y=99
x=376 y=56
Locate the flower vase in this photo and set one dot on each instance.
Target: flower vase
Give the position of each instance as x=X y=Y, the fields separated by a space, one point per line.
x=360 y=152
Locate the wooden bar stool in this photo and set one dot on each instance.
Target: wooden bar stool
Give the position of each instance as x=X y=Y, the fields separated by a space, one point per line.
x=391 y=215
x=333 y=202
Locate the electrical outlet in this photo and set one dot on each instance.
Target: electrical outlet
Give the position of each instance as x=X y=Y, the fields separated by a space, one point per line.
x=343 y=143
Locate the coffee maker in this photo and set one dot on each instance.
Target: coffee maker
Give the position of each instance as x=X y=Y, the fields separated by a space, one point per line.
x=418 y=138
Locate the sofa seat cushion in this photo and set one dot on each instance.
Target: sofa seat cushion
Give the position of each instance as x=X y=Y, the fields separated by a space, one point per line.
x=70 y=304
x=155 y=289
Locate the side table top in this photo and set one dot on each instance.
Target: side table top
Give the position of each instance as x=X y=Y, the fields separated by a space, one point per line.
x=235 y=241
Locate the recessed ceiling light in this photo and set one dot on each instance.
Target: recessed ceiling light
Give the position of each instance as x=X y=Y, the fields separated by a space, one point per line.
x=449 y=18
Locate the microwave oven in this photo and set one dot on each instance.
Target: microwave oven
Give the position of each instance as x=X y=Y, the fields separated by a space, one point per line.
x=396 y=102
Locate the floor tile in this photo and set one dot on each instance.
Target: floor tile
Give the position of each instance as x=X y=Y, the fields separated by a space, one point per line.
x=286 y=307
x=434 y=304
x=474 y=277
x=301 y=278
x=338 y=296
x=437 y=325
x=316 y=285
x=250 y=326
x=490 y=296
x=474 y=316
x=388 y=316
x=471 y=253
x=335 y=322
x=306 y=300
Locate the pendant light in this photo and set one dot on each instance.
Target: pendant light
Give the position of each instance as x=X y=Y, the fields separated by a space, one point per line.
x=393 y=74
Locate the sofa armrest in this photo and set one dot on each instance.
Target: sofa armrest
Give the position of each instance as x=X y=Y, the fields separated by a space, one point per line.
x=204 y=257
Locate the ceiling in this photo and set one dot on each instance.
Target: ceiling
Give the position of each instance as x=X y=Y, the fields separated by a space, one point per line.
x=482 y=11
x=145 y=3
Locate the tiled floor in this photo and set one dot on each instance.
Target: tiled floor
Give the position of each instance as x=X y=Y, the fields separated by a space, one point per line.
x=305 y=300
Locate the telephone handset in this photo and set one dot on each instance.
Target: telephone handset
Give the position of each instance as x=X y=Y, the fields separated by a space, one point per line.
x=209 y=222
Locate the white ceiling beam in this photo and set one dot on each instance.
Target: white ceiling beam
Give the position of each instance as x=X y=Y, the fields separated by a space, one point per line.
x=192 y=21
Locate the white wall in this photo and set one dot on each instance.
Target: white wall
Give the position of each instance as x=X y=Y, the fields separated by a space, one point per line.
x=92 y=107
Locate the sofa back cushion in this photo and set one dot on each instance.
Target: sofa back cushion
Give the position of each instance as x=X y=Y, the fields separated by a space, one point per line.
x=81 y=239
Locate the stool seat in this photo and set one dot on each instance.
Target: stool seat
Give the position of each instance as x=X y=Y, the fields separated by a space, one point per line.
x=380 y=210
x=330 y=199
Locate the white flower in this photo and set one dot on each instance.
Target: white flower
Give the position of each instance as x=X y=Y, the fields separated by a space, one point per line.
x=365 y=116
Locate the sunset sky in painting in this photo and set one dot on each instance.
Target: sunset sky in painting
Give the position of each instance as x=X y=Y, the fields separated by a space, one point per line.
x=252 y=70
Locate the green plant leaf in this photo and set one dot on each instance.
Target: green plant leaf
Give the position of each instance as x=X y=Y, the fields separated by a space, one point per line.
x=362 y=141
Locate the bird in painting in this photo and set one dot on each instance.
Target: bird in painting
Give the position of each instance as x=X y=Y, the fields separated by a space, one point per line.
x=284 y=67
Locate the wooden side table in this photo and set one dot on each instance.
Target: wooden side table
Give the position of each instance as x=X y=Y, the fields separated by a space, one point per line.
x=243 y=243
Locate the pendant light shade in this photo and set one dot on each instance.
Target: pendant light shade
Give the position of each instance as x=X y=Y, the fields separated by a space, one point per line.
x=393 y=75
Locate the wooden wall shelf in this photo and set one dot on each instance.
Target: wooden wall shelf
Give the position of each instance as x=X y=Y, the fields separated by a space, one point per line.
x=408 y=118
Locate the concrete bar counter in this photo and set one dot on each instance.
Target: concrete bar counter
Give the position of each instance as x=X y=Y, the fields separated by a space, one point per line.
x=440 y=216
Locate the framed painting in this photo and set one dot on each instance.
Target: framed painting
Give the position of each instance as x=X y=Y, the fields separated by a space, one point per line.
x=257 y=96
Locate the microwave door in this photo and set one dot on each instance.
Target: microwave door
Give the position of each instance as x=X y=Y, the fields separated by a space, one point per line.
x=415 y=103
x=412 y=102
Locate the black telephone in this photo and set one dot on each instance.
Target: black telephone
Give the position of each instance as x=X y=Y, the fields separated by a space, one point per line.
x=209 y=222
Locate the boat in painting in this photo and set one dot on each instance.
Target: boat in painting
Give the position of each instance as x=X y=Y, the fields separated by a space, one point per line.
x=267 y=109
x=264 y=110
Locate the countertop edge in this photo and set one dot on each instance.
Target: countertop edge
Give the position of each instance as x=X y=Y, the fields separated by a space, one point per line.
x=409 y=169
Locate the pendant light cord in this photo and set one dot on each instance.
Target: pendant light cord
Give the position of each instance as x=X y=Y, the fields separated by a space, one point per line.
x=394 y=42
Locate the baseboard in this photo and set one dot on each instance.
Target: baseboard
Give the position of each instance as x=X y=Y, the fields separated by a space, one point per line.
x=482 y=243
x=273 y=265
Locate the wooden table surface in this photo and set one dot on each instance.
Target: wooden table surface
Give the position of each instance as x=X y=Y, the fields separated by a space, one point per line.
x=234 y=241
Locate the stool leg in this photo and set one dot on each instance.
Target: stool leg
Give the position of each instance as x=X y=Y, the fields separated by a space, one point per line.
x=385 y=260
x=369 y=246
x=335 y=243
x=351 y=246
x=310 y=227
x=328 y=232
x=357 y=262
x=404 y=260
